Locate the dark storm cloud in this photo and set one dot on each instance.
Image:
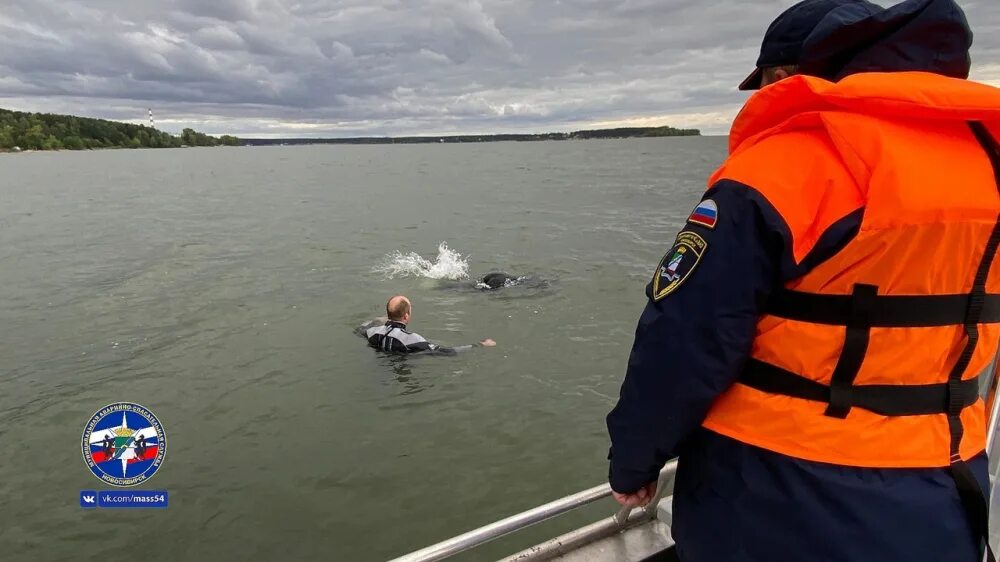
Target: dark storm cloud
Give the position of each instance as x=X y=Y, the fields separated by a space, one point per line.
x=309 y=67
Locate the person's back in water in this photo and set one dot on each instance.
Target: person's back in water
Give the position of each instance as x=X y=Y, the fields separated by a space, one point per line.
x=391 y=334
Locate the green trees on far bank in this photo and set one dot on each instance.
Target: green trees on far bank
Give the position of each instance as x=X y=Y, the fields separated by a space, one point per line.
x=190 y=137
x=43 y=131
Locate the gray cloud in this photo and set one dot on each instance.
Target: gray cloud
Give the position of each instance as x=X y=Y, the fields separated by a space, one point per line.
x=348 y=67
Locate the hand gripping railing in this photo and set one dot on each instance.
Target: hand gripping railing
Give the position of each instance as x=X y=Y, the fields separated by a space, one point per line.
x=623 y=519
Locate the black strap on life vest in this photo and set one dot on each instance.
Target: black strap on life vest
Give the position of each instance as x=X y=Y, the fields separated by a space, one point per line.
x=883 y=399
x=887 y=311
x=859 y=325
x=973 y=498
x=863 y=309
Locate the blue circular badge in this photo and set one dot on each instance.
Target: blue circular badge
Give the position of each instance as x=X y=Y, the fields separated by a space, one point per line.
x=124 y=444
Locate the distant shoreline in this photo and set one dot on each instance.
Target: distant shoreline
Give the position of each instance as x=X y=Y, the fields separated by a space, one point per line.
x=22 y=132
x=103 y=148
x=31 y=132
x=620 y=133
x=357 y=141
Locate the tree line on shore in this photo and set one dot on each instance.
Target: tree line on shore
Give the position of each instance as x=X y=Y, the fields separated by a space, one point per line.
x=45 y=131
x=619 y=133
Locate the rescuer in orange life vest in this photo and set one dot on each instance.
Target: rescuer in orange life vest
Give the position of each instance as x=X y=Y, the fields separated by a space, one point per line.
x=818 y=382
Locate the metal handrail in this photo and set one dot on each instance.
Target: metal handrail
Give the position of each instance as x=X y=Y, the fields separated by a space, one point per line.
x=578 y=538
x=625 y=517
x=525 y=519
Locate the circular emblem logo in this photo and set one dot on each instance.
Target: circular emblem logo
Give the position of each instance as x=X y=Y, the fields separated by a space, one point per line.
x=124 y=444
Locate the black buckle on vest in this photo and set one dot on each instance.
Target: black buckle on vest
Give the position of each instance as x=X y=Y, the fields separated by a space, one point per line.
x=853 y=354
x=977 y=302
x=956 y=401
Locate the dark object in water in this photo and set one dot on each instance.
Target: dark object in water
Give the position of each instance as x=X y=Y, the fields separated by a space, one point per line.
x=493 y=282
x=496 y=280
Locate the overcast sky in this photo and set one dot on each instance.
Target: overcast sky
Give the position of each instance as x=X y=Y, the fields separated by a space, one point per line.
x=377 y=67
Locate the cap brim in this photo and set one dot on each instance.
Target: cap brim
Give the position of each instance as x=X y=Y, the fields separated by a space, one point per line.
x=753 y=81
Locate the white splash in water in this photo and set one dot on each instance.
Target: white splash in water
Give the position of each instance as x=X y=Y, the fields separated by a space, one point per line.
x=449 y=264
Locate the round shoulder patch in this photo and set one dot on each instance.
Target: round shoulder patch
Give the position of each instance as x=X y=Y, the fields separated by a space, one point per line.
x=677 y=264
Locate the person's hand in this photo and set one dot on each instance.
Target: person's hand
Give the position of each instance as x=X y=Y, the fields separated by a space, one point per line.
x=638 y=498
x=488 y=343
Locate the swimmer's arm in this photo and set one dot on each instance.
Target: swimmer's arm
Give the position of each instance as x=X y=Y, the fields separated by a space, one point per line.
x=435 y=349
x=362 y=330
x=445 y=350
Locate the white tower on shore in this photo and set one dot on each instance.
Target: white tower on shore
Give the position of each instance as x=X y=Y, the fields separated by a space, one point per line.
x=151 y=118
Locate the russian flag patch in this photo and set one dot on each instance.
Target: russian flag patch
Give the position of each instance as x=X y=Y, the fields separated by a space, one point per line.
x=706 y=214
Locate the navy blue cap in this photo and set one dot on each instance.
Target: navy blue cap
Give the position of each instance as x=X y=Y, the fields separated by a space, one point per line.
x=914 y=35
x=785 y=36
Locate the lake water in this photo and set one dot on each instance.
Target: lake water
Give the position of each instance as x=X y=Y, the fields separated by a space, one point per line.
x=219 y=288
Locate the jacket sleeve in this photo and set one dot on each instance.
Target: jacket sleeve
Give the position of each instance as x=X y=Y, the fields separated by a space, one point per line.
x=362 y=330
x=691 y=342
x=425 y=346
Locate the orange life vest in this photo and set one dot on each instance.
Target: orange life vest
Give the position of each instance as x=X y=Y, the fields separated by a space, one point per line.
x=860 y=361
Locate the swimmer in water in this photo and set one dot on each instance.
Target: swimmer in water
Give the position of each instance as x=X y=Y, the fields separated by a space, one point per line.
x=501 y=280
x=496 y=280
x=390 y=334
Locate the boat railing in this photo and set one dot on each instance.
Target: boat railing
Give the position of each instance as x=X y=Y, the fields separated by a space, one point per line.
x=626 y=518
x=621 y=520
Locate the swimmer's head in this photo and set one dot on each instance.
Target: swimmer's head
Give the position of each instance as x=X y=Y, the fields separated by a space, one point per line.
x=398 y=309
x=496 y=280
